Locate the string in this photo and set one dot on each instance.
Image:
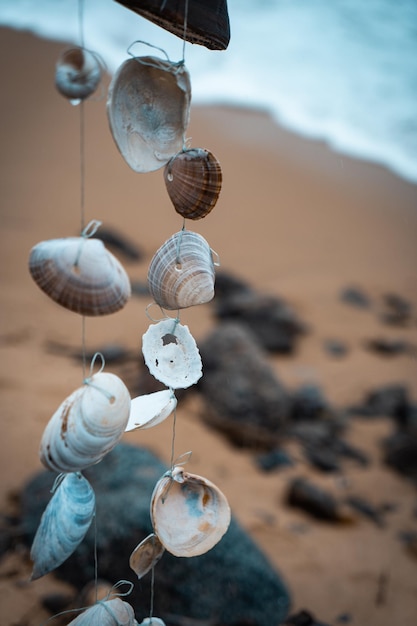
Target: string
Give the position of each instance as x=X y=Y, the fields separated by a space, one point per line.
x=173 y=438
x=185 y=30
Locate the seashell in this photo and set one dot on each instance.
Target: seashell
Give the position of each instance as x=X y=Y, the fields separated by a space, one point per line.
x=171 y=354
x=77 y=73
x=193 y=179
x=80 y=274
x=87 y=425
x=146 y=555
x=114 y=612
x=151 y=409
x=152 y=621
x=148 y=109
x=181 y=273
x=63 y=525
x=189 y=513
x=205 y=23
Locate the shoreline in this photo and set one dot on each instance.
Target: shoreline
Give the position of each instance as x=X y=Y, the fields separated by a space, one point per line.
x=293 y=220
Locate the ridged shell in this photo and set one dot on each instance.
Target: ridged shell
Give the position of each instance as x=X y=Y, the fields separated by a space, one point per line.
x=171 y=354
x=87 y=425
x=146 y=555
x=148 y=108
x=207 y=22
x=77 y=73
x=113 y=612
x=181 y=273
x=151 y=409
x=193 y=179
x=80 y=274
x=189 y=513
x=63 y=525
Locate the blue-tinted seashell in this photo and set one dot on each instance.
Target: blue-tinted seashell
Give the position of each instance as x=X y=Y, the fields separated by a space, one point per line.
x=63 y=525
x=114 y=612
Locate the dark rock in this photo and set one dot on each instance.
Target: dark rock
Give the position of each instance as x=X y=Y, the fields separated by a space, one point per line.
x=317 y=502
x=366 y=509
x=356 y=297
x=336 y=347
x=309 y=403
x=274 y=459
x=120 y=243
x=390 y=347
x=233 y=583
x=400 y=453
x=397 y=311
x=345 y=449
x=271 y=320
x=303 y=618
x=324 y=459
x=388 y=400
x=243 y=397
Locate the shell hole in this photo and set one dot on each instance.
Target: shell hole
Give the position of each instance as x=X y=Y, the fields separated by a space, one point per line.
x=112 y=399
x=178 y=266
x=76 y=269
x=170 y=177
x=169 y=338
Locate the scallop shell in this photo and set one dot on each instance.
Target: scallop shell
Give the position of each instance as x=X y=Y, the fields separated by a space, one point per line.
x=146 y=555
x=181 y=273
x=171 y=354
x=206 y=22
x=189 y=513
x=87 y=425
x=78 y=73
x=148 y=108
x=152 y=621
x=80 y=274
x=113 y=612
x=151 y=409
x=193 y=179
x=63 y=525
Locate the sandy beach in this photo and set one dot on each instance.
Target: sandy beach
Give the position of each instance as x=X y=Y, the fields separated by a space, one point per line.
x=295 y=220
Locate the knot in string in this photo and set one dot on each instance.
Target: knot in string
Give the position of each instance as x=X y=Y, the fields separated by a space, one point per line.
x=86 y=233
x=175 y=67
x=88 y=380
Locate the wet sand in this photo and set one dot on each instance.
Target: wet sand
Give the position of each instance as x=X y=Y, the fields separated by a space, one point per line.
x=295 y=220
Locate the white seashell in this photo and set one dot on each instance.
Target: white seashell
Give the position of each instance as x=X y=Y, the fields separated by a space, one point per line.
x=80 y=274
x=181 y=273
x=146 y=555
x=87 y=425
x=63 y=525
x=113 y=612
x=171 y=354
x=151 y=409
x=189 y=513
x=148 y=108
x=152 y=621
x=77 y=73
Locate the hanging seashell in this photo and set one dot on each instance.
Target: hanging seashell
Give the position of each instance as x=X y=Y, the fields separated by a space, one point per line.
x=80 y=274
x=152 y=621
x=189 y=513
x=181 y=273
x=151 y=409
x=113 y=612
x=63 y=525
x=148 y=108
x=87 y=425
x=193 y=179
x=205 y=23
x=146 y=555
x=77 y=73
x=171 y=354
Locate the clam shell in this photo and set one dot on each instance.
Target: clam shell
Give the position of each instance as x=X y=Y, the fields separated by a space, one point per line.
x=63 y=525
x=189 y=513
x=80 y=274
x=152 y=621
x=151 y=409
x=181 y=273
x=206 y=22
x=146 y=555
x=113 y=612
x=193 y=179
x=87 y=425
x=148 y=108
x=171 y=354
x=77 y=73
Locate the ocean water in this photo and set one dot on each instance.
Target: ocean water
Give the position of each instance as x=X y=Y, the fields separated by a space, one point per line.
x=342 y=71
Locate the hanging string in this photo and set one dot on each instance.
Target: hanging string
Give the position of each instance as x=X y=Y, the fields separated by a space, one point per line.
x=173 y=438
x=184 y=35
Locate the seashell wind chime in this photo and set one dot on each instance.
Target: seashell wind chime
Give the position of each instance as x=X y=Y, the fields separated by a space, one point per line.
x=148 y=111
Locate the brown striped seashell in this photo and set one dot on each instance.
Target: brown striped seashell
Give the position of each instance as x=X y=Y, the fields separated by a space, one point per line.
x=80 y=274
x=193 y=179
x=146 y=555
x=77 y=73
x=181 y=273
x=148 y=108
x=206 y=23
x=189 y=513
